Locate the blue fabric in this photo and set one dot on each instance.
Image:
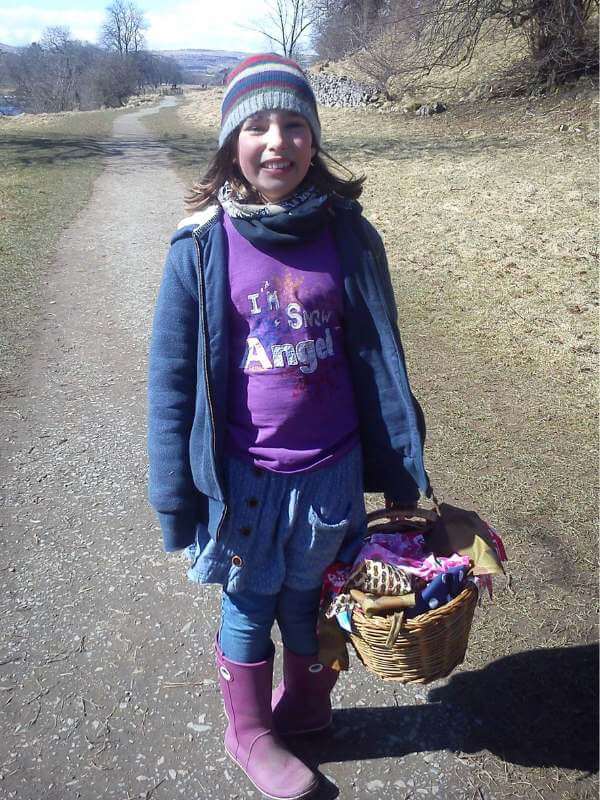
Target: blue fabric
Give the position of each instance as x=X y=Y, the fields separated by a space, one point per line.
x=441 y=590
x=247 y=620
x=283 y=530
x=188 y=375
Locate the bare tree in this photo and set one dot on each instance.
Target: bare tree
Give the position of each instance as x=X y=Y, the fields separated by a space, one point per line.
x=62 y=74
x=56 y=39
x=285 y=24
x=115 y=79
x=155 y=70
x=411 y=38
x=48 y=74
x=343 y=26
x=123 y=27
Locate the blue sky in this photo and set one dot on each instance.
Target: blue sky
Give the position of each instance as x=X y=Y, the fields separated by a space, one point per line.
x=189 y=23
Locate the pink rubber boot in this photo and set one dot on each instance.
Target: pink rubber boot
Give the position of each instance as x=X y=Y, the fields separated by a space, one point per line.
x=301 y=703
x=250 y=739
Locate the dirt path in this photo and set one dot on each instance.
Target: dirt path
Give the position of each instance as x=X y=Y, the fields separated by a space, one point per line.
x=107 y=685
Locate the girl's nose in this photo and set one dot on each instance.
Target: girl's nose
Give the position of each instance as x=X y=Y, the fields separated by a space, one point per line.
x=275 y=137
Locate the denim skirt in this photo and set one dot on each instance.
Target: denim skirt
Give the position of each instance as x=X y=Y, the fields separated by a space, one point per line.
x=283 y=530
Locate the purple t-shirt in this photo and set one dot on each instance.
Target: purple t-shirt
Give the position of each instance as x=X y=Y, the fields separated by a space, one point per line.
x=291 y=404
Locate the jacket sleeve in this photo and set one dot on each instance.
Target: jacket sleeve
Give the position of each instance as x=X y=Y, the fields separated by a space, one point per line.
x=381 y=263
x=383 y=271
x=171 y=404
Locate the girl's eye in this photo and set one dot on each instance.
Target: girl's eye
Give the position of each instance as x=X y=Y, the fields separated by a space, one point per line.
x=253 y=126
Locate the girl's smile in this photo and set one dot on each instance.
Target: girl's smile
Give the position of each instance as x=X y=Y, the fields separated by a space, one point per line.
x=274 y=152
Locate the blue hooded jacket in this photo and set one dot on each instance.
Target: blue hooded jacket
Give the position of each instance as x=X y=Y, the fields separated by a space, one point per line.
x=188 y=375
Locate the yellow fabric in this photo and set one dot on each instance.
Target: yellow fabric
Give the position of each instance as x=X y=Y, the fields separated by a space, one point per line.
x=333 y=651
x=464 y=532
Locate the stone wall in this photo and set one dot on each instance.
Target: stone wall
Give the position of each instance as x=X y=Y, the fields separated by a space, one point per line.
x=340 y=91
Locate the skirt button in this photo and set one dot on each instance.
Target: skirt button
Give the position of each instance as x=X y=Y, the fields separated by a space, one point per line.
x=237 y=561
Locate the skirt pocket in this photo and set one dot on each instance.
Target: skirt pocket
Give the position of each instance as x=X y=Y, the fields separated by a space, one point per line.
x=326 y=538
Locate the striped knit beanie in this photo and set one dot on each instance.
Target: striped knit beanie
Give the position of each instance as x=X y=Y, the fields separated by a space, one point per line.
x=267 y=82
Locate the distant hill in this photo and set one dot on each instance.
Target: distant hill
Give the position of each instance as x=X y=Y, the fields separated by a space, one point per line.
x=204 y=66
x=8 y=48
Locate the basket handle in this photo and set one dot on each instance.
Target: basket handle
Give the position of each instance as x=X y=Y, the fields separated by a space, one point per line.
x=395 y=628
x=395 y=514
x=417 y=519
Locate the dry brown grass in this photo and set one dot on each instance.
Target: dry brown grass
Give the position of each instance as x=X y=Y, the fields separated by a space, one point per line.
x=495 y=206
x=74 y=121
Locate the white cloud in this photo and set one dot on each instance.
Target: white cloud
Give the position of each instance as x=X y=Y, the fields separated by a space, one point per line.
x=207 y=25
x=22 y=25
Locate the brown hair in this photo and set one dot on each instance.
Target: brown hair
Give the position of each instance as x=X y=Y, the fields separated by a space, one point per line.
x=223 y=167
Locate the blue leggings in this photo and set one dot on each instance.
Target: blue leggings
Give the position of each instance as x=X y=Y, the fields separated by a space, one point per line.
x=247 y=619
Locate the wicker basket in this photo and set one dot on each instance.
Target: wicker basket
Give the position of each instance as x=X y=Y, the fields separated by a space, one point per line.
x=421 y=649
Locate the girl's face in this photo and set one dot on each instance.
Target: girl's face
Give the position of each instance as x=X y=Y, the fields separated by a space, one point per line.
x=274 y=151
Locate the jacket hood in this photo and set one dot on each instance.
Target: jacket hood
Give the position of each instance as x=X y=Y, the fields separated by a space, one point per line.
x=198 y=220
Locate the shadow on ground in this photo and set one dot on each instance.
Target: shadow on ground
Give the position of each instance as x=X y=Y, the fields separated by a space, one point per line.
x=56 y=149
x=28 y=150
x=537 y=709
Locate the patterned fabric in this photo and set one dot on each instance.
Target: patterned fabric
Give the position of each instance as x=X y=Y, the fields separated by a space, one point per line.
x=375 y=577
x=296 y=221
x=236 y=208
x=267 y=82
x=410 y=552
x=341 y=603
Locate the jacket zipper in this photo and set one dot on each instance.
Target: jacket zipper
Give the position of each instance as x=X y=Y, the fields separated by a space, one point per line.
x=202 y=307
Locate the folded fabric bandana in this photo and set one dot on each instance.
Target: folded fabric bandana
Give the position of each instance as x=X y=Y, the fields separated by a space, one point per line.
x=371 y=577
x=376 y=577
x=410 y=553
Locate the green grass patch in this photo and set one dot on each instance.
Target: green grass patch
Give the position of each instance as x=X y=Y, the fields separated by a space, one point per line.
x=48 y=164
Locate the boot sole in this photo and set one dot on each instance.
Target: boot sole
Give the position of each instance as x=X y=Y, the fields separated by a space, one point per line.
x=306 y=793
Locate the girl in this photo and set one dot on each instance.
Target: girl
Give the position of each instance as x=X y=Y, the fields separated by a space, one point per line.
x=278 y=395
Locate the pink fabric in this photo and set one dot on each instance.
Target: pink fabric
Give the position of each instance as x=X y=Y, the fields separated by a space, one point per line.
x=334 y=580
x=498 y=543
x=408 y=551
x=483 y=582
